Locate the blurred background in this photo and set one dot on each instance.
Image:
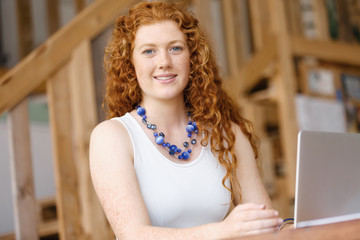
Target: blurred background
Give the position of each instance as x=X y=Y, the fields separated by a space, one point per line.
x=291 y=65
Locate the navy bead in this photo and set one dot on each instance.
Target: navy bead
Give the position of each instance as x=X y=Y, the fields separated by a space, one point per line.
x=189 y=151
x=190 y=123
x=144 y=121
x=159 y=139
x=173 y=148
x=189 y=135
x=179 y=150
x=144 y=116
x=162 y=134
x=193 y=142
x=163 y=144
x=171 y=152
x=185 y=155
x=168 y=144
x=179 y=157
x=190 y=128
x=186 y=144
x=155 y=134
x=194 y=124
x=189 y=114
x=141 y=111
x=196 y=131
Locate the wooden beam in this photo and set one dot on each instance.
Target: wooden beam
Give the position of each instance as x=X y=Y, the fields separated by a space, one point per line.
x=230 y=44
x=22 y=179
x=24 y=27
x=203 y=14
x=80 y=5
x=326 y=50
x=84 y=119
x=67 y=199
x=243 y=31
x=256 y=23
x=285 y=85
x=251 y=72
x=47 y=58
x=321 y=20
x=53 y=18
x=2 y=71
x=293 y=12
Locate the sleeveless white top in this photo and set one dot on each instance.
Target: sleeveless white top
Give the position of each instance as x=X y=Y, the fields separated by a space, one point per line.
x=177 y=195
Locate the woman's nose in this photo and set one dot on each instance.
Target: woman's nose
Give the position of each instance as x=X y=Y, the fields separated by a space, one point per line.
x=165 y=60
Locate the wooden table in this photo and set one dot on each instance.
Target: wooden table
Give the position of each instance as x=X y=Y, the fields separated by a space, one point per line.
x=349 y=230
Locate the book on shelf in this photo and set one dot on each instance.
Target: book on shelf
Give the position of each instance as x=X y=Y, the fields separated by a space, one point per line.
x=325 y=19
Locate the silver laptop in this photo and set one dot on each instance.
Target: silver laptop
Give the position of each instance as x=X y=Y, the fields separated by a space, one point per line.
x=327 y=178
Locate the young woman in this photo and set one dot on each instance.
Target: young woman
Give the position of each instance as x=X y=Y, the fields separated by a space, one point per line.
x=175 y=152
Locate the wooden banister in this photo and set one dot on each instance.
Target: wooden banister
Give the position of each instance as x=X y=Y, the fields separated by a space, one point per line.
x=21 y=173
x=47 y=58
x=64 y=63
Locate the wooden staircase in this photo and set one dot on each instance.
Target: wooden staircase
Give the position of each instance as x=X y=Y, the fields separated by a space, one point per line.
x=64 y=64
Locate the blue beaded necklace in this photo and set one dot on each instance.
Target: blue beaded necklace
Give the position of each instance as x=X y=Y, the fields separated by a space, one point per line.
x=160 y=136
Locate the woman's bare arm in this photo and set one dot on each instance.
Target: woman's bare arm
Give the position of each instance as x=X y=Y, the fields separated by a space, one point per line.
x=252 y=187
x=253 y=213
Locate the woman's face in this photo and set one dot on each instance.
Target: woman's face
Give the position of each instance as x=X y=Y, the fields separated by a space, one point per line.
x=162 y=60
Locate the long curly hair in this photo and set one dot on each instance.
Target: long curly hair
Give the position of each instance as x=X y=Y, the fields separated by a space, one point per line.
x=211 y=107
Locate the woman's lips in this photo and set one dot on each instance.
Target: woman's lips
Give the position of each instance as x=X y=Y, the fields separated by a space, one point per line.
x=165 y=78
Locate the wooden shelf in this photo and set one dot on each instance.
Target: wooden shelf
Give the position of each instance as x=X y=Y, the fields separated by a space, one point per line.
x=326 y=50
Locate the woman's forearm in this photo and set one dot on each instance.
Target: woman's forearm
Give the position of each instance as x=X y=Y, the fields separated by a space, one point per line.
x=211 y=231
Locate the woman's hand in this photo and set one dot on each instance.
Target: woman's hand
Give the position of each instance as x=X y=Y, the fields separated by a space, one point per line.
x=250 y=218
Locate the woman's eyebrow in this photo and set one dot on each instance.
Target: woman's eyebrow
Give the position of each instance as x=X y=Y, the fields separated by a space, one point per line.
x=154 y=45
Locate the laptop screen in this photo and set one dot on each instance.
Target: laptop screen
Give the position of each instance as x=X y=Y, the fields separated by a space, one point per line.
x=327 y=178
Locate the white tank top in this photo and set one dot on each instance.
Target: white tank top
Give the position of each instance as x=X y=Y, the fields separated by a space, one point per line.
x=177 y=195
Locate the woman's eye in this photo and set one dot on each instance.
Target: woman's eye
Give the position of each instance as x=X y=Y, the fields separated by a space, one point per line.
x=176 y=49
x=149 y=51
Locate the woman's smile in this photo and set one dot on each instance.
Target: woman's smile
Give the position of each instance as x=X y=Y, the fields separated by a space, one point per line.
x=165 y=78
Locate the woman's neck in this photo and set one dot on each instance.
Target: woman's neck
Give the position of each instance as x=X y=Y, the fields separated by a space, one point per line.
x=167 y=115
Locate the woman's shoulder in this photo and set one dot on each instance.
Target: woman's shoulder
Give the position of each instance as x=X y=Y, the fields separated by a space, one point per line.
x=109 y=132
x=242 y=141
x=109 y=140
x=239 y=134
x=109 y=127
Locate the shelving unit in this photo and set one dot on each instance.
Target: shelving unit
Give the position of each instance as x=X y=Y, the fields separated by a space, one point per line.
x=276 y=51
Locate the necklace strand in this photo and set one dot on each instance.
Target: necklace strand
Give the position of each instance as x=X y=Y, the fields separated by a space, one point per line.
x=160 y=136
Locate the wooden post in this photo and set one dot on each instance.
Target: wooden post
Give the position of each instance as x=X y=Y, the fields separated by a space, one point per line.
x=24 y=27
x=231 y=46
x=286 y=89
x=67 y=199
x=84 y=119
x=258 y=16
x=80 y=5
x=52 y=10
x=203 y=14
x=21 y=173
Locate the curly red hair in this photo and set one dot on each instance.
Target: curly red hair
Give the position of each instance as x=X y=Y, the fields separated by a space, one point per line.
x=211 y=107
